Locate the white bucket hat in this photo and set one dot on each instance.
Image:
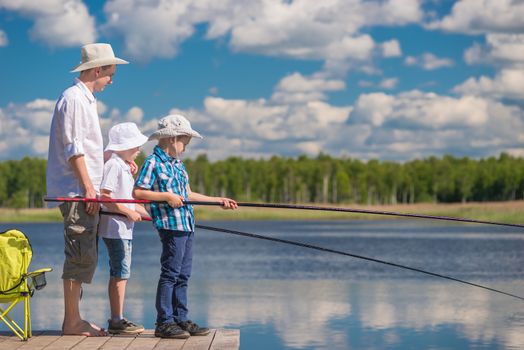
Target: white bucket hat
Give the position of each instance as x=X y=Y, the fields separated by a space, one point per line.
x=174 y=125
x=125 y=136
x=97 y=55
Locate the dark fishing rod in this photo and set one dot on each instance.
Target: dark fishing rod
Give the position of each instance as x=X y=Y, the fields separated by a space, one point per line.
x=339 y=252
x=361 y=211
x=296 y=207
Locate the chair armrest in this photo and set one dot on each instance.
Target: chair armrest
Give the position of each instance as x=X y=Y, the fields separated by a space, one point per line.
x=38 y=280
x=39 y=272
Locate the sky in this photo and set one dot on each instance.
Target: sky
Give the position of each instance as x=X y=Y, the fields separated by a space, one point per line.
x=368 y=79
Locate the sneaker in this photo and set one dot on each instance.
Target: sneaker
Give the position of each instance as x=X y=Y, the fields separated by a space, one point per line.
x=193 y=328
x=170 y=330
x=124 y=326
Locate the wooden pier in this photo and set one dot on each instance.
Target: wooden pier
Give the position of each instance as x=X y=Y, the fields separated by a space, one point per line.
x=218 y=339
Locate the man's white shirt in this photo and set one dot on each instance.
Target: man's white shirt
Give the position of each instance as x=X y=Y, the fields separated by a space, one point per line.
x=75 y=130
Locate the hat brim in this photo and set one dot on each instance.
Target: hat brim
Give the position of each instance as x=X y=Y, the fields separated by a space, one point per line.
x=98 y=63
x=163 y=133
x=139 y=141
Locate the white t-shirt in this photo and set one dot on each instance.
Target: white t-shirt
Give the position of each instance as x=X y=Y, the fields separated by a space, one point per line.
x=119 y=180
x=75 y=130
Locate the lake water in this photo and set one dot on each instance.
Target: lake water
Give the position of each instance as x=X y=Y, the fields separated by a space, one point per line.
x=286 y=297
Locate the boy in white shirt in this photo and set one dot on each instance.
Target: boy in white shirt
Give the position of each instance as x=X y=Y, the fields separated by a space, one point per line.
x=117 y=230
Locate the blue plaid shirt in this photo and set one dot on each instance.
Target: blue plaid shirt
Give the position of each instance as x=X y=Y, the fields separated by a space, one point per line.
x=161 y=173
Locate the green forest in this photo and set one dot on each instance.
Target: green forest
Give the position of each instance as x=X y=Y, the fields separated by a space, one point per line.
x=321 y=179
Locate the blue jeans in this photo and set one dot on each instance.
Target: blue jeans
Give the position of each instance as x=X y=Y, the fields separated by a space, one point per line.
x=176 y=261
x=119 y=251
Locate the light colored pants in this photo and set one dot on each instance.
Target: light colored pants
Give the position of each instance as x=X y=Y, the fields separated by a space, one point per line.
x=80 y=242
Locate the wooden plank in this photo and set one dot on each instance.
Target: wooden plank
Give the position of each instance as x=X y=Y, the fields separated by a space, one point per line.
x=226 y=339
x=10 y=336
x=12 y=343
x=65 y=342
x=148 y=333
x=199 y=342
x=143 y=343
x=5 y=335
x=91 y=343
x=8 y=345
x=170 y=344
x=221 y=339
x=117 y=343
x=41 y=340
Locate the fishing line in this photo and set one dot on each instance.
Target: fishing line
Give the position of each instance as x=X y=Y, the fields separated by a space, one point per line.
x=296 y=207
x=328 y=250
x=339 y=252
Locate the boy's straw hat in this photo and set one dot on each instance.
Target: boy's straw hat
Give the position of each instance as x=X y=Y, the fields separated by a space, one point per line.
x=97 y=55
x=174 y=125
x=125 y=136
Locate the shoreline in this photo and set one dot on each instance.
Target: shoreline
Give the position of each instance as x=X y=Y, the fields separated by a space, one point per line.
x=506 y=212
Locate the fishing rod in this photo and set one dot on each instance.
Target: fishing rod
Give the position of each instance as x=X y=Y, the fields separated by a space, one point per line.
x=293 y=206
x=339 y=252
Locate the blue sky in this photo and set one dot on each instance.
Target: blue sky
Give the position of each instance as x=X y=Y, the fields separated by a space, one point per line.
x=388 y=79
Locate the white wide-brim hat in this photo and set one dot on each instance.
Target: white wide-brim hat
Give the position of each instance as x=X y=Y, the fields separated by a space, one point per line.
x=174 y=125
x=125 y=136
x=97 y=55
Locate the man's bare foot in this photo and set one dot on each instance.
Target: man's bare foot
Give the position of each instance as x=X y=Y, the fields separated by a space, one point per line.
x=84 y=328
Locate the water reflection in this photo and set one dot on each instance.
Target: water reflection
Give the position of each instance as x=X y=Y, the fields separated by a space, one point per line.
x=286 y=298
x=299 y=311
x=328 y=314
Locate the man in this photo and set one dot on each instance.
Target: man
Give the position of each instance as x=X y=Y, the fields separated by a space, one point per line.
x=74 y=169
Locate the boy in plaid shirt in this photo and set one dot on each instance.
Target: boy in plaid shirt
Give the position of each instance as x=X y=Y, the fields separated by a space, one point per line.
x=164 y=180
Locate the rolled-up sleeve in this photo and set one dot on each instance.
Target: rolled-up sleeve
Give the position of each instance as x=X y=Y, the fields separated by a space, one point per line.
x=73 y=133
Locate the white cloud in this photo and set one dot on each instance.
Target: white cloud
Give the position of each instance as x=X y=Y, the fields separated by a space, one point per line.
x=295 y=120
x=416 y=109
x=428 y=61
x=24 y=128
x=391 y=48
x=508 y=83
x=296 y=88
x=169 y=23
x=372 y=109
x=501 y=49
x=305 y=29
x=4 y=41
x=264 y=121
x=386 y=126
x=56 y=22
x=389 y=83
x=135 y=115
x=402 y=126
x=416 y=124
x=483 y=16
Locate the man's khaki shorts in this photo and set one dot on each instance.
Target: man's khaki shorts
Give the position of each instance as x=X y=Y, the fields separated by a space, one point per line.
x=80 y=242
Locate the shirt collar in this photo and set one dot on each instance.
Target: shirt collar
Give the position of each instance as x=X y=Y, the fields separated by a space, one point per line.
x=120 y=161
x=85 y=90
x=164 y=156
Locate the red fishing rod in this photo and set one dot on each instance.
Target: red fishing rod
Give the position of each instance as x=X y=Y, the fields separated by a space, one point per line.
x=292 y=206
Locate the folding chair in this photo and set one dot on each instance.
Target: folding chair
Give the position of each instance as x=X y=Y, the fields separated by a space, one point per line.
x=16 y=284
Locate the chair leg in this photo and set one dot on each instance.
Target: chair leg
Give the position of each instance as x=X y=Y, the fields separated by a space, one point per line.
x=28 y=326
x=15 y=328
x=26 y=310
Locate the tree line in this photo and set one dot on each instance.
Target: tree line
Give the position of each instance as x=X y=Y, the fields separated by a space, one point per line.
x=321 y=179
